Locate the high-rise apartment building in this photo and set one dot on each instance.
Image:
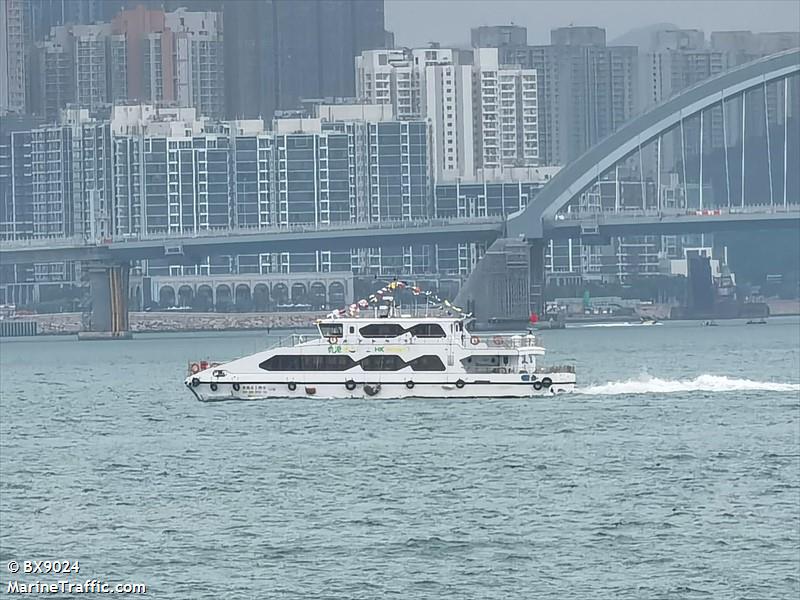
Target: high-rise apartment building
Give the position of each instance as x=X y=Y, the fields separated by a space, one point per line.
x=483 y=114
x=281 y=51
x=586 y=89
x=251 y=173
x=53 y=76
x=426 y=83
x=506 y=115
x=173 y=59
x=198 y=61
x=143 y=51
x=16 y=178
x=52 y=173
x=92 y=74
x=13 y=45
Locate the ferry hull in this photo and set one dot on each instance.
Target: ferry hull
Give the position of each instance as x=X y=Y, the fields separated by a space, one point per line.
x=510 y=387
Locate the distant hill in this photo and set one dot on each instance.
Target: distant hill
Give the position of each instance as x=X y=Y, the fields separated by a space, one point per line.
x=640 y=36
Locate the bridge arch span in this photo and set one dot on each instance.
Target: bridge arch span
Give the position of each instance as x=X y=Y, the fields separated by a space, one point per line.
x=579 y=175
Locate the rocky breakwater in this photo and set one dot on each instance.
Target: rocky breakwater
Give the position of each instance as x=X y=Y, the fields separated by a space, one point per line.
x=56 y=323
x=144 y=322
x=141 y=322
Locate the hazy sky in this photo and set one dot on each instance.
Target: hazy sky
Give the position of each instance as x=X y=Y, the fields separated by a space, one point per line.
x=416 y=22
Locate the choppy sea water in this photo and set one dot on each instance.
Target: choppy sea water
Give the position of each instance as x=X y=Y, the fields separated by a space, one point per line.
x=673 y=473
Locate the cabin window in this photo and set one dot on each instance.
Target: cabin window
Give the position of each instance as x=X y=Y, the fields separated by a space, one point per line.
x=308 y=363
x=429 y=362
x=282 y=362
x=428 y=330
x=382 y=362
x=331 y=329
x=352 y=329
x=333 y=363
x=381 y=330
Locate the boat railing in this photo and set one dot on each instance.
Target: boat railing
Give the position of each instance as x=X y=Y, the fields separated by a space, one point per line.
x=556 y=369
x=505 y=340
x=294 y=339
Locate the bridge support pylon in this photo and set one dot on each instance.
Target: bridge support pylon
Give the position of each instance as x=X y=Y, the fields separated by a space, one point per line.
x=500 y=289
x=537 y=277
x=107 y=318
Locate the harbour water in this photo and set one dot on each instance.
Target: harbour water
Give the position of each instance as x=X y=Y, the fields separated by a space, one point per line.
x=673 y=473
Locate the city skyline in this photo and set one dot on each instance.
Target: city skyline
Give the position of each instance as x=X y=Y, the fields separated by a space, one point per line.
x=618 y=17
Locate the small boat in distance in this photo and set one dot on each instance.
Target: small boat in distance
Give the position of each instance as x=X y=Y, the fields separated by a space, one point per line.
x=709 y=324
x=757 y=322
x=388 y=354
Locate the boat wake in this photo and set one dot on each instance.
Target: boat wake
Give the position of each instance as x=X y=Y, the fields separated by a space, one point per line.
x=619 y=324
x=704 y=383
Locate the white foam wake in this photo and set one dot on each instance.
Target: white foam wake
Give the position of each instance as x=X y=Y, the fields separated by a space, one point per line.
x=704 y=383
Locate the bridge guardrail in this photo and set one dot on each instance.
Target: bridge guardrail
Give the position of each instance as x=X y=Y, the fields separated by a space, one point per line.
x=680 y=212
x=311 y=228
x=393 y=224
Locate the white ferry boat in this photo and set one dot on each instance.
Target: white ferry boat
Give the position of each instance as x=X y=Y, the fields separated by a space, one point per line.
x=388 y=355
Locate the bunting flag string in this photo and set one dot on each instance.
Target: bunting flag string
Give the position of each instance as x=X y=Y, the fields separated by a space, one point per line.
x=374 y=299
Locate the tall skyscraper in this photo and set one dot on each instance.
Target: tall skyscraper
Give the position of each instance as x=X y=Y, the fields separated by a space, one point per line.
x=281 y=51
x=13 y=43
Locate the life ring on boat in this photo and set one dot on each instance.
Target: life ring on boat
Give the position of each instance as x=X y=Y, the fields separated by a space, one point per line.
x=474 y=340
x=292 y=386
x=195 y=382
x=350 y=384
x=547 y=382
x=497 y=340
x=195 y=368
x=460 y=383
x=410 y=385
x=537 y=385
x=214 y=387
x=236 y=387
x=333 y=340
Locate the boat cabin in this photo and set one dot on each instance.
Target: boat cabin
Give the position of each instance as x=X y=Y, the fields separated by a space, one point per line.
x=381 y=330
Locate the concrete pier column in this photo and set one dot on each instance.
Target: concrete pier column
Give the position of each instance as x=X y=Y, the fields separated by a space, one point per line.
x=499 y=287
x=108 y=316
x=537 y=277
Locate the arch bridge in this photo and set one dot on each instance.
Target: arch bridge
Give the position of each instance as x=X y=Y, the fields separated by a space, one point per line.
x=509 y=280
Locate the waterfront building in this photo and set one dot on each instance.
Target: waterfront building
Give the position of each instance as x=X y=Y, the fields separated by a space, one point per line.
x=16 y=179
